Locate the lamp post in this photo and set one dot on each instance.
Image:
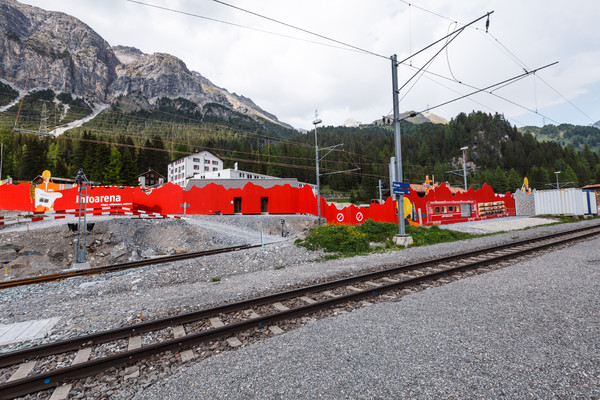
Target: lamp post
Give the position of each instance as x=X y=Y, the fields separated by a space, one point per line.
x=557 y=185
x=464 y=150
x=315 y=123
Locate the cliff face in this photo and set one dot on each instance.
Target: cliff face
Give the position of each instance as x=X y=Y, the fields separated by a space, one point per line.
x=60 y=52
x=57 y=50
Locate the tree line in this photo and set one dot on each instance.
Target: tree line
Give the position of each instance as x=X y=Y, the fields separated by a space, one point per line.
x=498 y=153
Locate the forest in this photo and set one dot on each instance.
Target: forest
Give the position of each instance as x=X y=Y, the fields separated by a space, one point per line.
x=126 y=140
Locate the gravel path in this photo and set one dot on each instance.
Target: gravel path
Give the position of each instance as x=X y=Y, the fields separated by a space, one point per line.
x=528 y=331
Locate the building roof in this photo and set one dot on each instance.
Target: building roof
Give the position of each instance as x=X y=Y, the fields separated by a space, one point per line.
x=595 y=186
x=420 y=188
x=197 y=152
x=240 y=183
x=151 y=170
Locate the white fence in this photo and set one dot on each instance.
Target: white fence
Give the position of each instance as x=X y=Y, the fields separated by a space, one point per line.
x=565 y=202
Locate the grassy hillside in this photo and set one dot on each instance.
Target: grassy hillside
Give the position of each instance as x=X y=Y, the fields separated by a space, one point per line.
x=566 y=134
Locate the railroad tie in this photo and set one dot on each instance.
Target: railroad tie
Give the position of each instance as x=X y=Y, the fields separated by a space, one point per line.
x=371 y=283
x=307 y=300
x=330 y=293
x=390 y=280
x=135 y=342
x=276 y=330
x=216 y=322
x=23 y=370
x=253 y=314
x=61 y=392
x=353 y=288
x=366 y=304
x=82 y=356
x=232 y=341
x=187 y=355
x=178 y=331
x=280 y=307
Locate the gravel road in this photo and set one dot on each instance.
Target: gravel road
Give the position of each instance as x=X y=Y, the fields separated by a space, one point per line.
x=528 y=331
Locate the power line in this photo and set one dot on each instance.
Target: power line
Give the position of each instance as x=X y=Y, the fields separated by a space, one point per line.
x=302 y=29
x=348 y=47
x=510 y=55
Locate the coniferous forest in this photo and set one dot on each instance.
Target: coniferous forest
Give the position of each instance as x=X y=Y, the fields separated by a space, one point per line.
x=120 y=143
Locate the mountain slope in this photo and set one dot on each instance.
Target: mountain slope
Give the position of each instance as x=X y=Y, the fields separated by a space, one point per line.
x=43 y=49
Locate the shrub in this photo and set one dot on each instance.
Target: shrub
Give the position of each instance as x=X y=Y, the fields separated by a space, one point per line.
x=344 y=239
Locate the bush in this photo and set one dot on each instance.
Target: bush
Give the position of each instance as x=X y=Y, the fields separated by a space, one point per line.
x=378 y=231
x=344 y=239
x=350 y=240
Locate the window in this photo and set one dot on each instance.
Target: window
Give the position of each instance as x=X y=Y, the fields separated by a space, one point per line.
x=206 y=161
x=206 y=169
x=215 y=169
x=215 y=163
x=196 y=159
x=437 y=210
x=196 y=167
x=443 y=209
x=450 y=209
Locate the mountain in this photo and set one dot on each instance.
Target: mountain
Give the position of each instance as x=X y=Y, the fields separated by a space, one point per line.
x=42 y=49
x=566 y=134
x=418 y=118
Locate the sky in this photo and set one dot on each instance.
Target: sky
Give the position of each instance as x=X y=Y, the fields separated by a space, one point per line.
x=292 y=74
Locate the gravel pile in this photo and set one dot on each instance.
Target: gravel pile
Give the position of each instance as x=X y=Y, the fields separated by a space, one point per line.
x=48 y=247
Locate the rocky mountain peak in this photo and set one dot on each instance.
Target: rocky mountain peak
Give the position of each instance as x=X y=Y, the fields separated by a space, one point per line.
x=46 y=49
x=128 y=55
x=53 y=48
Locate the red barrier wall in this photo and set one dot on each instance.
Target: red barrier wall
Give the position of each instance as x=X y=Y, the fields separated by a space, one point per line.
x=284 y=199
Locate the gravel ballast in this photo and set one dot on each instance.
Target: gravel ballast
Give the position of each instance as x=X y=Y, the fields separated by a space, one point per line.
x=528 y=331
x=89 y=304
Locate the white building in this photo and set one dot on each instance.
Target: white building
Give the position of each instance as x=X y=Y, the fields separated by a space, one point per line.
x=183 y=169
x=231 y=174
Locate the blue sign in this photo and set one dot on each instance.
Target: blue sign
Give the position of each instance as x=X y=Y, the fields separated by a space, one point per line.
x=398 y=190
x=400 y=185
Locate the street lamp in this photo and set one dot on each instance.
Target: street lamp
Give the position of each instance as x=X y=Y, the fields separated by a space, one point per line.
x=464 y=150
x=315 y=123
x=557 y=185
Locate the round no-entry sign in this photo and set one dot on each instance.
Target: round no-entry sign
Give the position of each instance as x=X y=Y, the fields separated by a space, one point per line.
x=359 y=216
x=340 y=217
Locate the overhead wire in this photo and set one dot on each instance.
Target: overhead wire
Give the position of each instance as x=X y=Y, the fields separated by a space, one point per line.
x=507 y=52
x=346 y=46
x=301 y=29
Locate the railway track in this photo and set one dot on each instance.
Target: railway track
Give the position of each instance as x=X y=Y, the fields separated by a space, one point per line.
x=119 y=267
x=191 y=334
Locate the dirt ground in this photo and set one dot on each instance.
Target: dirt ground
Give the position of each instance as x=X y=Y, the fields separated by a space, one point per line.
x=52 y=249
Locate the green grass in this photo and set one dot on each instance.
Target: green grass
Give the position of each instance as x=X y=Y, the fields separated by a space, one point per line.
x=216 y=279
x=350 y=240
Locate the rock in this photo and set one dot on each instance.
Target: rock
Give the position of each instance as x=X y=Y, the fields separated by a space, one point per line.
x=148 y=253
x=7 y=255
x=118 y=251
x=56 y=255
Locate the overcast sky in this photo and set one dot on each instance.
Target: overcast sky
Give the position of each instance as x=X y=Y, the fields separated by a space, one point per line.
x=291 y=78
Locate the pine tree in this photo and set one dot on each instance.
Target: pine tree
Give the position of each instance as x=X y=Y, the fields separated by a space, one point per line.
x=569 y=176
x=112 y=171
x=514 y=180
